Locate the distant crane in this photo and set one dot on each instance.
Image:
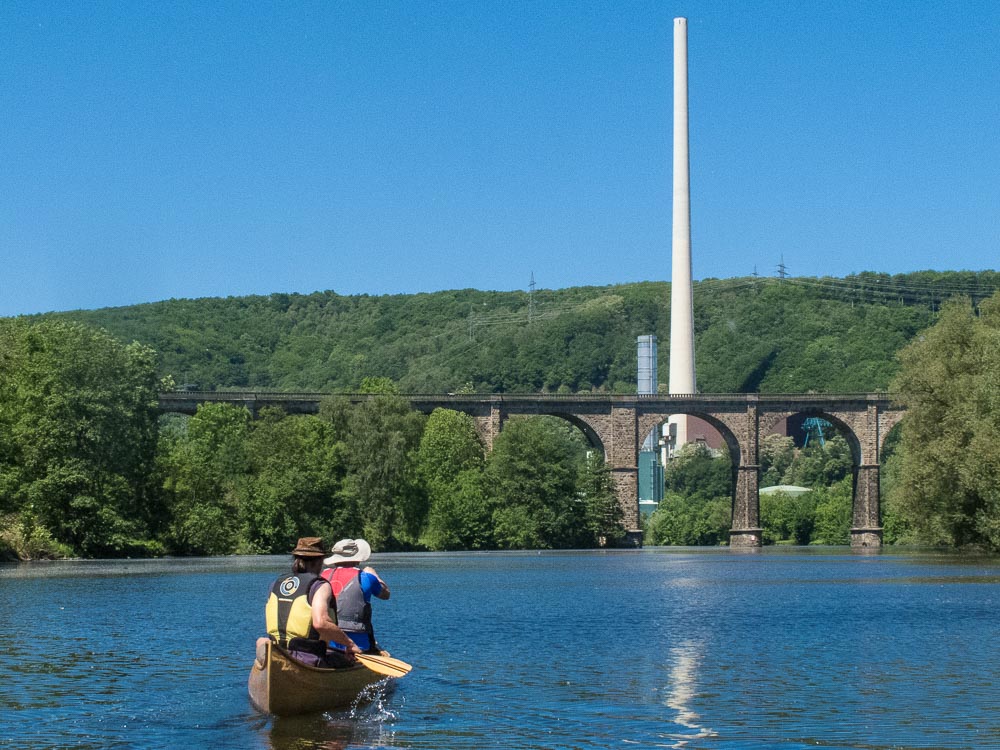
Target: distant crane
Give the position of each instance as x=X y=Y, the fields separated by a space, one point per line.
x=814 y=426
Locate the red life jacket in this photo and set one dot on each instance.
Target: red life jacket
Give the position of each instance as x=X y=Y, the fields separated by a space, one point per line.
x=353 y=612
x=339 y=577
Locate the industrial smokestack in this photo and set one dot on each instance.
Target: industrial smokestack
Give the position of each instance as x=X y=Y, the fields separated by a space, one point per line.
x=681 y=305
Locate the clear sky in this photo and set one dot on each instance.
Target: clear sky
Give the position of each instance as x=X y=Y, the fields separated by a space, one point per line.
x=153 y=149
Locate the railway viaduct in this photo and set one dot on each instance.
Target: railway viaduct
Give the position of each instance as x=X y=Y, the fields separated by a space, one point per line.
x=617 y=425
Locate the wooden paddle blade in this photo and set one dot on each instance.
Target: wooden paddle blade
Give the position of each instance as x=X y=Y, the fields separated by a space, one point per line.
x=384 y=664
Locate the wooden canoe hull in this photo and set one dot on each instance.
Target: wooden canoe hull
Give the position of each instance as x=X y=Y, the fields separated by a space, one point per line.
x=281 y=686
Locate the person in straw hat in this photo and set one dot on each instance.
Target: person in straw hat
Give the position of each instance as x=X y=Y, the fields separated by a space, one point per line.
x=301 y=612
x=353 y=588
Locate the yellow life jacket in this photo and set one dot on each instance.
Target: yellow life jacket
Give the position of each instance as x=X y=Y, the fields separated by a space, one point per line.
x=289 y=612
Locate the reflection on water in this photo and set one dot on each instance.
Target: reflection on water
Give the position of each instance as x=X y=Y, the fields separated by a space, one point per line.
x=695 y=649
x=686 y=659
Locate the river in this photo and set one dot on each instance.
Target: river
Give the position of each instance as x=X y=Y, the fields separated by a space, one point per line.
x=660 y=647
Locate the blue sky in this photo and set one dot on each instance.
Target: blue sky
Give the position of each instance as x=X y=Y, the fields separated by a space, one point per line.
x=151 y=150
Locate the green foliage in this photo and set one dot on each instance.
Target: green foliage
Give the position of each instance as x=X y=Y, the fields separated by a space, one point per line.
x=832 y=335
x=603 y=512
x=449 y=463
x=459 y=516
x=82 y=470
x=695 y=473
x=202 y=468
x=680 y=521
x=531 y=485
x=382 y=471
x=777 y=453
x=297 y=468
x=832 y=513
x=77 y=435
x=381 y=437
x=253 y=486
x=803 y=335
x=786 y=517
x=22 y=537
x=383 y=386
x=822 y=516
x=948 y=491
x=817 y=465
x=449 y=446
x=697 y=508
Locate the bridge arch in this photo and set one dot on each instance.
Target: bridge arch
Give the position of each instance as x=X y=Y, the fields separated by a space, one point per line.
x=581 y=423
x=738 y=456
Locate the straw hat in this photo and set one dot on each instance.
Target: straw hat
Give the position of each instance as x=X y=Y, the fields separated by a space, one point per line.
x=349 y=550
x=309 y=546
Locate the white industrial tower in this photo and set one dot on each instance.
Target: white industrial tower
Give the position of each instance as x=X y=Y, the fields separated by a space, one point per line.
x=681 y=304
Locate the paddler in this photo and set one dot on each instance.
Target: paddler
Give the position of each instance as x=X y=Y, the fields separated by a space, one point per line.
x=353 y=588
x=301 y=612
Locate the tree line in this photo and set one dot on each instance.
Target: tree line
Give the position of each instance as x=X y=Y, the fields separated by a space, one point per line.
x=766 y=335
x=89 y=468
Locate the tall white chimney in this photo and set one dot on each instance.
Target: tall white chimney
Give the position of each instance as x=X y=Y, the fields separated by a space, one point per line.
x=681 y=305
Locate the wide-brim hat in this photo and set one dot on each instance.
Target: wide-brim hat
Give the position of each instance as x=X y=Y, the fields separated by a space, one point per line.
x=309 y=546
x=349 y=550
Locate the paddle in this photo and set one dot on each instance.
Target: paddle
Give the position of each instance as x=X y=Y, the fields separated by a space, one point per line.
x=384 y=664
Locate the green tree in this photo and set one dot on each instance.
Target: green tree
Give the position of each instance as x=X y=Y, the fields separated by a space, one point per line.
x=777 y=453
x=459 y=518
x=205 y=469
x=753 y=335
x=605 y=519
x=695 y=472
x=450 y=463
x=297 y=467
x=381 y=438
x=77 y=435
x=679 y=521
x=819 y=465
x=448 y=446
x=832 y=513
x=382 y=385
x=787 y=517
x=949 y=486
x=531 y=483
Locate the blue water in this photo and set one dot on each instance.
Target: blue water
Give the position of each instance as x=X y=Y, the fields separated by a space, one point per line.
x=678 y=648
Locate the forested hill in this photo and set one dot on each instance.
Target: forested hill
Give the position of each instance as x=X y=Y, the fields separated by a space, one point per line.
x=752 y=334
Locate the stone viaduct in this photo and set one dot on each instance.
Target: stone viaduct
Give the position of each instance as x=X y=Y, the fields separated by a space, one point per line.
x=617 y=425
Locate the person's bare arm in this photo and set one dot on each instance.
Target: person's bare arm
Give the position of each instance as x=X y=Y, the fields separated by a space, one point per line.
x=328 y=630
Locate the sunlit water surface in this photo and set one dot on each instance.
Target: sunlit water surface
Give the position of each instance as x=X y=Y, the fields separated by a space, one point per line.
x=678 y=648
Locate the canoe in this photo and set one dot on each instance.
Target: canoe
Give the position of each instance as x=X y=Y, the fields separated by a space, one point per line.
x=281 y=686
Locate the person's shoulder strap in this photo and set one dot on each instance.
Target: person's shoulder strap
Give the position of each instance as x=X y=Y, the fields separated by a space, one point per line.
x=314 y=587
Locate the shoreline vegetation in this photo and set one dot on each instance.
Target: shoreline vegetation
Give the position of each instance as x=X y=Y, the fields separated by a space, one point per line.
x=90 y=469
